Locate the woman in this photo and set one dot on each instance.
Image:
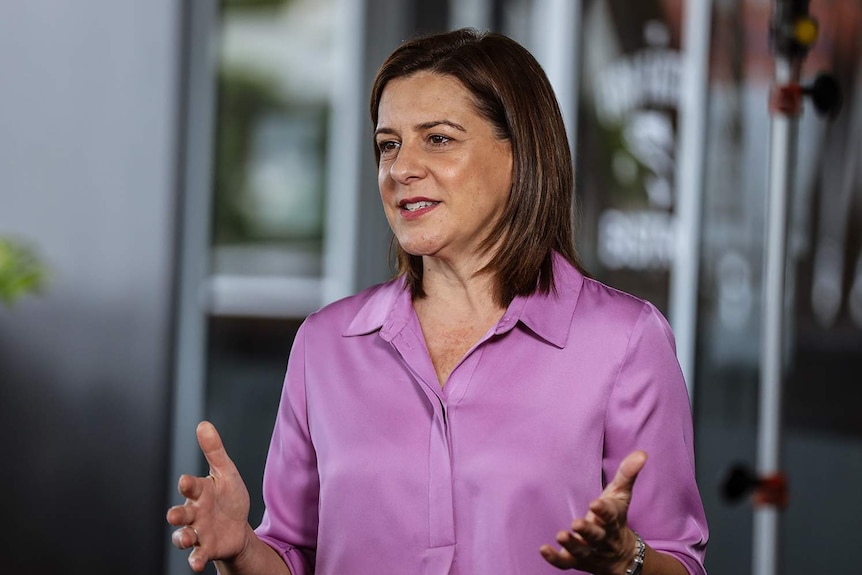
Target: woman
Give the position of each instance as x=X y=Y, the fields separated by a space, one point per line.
x=457 y=418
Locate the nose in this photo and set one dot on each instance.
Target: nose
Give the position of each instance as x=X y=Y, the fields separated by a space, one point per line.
x=407 y=165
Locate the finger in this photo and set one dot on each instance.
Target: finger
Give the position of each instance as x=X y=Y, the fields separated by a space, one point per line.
x=179 y=515
x=605 y=509
x=213 y=449
x=561 y=559
x=624 y=479
x=606 y=512
x=184 y=538
x=192 y=487
x=198 y=559
x=592 y=535
x=574 y=543
x=627 y=473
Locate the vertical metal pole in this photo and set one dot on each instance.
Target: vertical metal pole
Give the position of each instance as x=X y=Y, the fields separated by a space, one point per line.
x=195 y=182
x=689 y=182
x=782 y=153
x=343 y=160
x=556 y=41
x=793 y=33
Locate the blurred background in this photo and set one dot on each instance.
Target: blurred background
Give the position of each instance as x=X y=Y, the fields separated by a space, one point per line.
x=182 y=182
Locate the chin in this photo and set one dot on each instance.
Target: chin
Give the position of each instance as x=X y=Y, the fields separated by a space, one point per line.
x=417 y=252
x=419 y=248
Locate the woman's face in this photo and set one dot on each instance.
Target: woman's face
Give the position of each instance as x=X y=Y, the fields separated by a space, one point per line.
x=444 y=177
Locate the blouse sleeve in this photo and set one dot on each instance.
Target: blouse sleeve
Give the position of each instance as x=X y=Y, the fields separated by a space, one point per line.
x=649 y=409
x=290 y=481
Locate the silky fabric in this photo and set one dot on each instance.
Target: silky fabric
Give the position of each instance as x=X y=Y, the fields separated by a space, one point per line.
x=374 y=468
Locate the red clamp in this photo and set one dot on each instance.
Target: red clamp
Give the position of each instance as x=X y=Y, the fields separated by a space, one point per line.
x=766 y=490
x=786 y=99
x=771 y=490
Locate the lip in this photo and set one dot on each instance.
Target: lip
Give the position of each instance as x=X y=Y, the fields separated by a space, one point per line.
x=414 y=214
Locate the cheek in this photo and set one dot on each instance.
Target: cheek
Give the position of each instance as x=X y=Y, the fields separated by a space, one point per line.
x=387 y=193
x=381 y=181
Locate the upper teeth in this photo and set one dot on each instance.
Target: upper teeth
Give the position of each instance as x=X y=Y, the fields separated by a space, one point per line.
x=417 y=205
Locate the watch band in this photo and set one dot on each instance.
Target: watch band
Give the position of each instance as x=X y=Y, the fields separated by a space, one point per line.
x=638 y=561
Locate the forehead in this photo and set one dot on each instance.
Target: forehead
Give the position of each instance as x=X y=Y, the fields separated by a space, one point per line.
x=424 y=93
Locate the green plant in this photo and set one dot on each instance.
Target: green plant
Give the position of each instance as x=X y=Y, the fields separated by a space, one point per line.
x=21 y=271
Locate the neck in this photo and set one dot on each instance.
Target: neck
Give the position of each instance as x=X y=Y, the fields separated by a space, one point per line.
x=459 y=286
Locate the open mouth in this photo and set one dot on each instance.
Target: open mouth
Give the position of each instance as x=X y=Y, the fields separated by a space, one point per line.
x=415 y=206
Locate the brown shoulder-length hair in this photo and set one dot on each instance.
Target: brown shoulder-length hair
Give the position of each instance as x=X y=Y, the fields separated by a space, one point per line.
x=512 y=92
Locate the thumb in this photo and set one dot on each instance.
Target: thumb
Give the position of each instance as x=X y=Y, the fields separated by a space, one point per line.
x=213 y=449
x=627 y=473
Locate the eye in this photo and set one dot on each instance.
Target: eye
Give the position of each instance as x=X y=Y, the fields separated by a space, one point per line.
x=387 y=146
x=438 y=140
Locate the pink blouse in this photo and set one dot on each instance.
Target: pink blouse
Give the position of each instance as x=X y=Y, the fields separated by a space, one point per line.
x=374 y=469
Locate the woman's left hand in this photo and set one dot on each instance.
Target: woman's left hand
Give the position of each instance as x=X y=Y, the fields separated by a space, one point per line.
x=601 y=542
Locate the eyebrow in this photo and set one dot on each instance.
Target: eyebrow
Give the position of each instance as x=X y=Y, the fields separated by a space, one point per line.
x=423 y=126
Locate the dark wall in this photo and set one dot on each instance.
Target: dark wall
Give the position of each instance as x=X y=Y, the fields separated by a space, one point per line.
x=87 y=156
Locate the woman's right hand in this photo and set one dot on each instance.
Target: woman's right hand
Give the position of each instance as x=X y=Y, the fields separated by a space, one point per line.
x=214 y=518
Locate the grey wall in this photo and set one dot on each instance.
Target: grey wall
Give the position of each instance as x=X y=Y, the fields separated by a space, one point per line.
x=88 y=93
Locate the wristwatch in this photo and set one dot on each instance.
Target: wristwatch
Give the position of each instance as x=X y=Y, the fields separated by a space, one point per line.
x=638 y=561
